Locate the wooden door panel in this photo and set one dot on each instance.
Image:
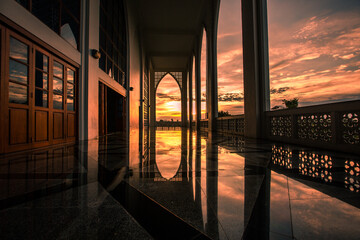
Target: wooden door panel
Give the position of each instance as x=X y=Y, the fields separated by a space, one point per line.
x=28 y=118
x=41 y=126
x=58 y=125
x=18 y=126
x=71 y=125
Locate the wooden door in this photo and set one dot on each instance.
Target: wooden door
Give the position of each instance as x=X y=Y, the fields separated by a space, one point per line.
x=58 y=101
x=41 y=105
x=71 y=106
x=2 y=80
x=17 y=93
x=38 y=96
x=102 y=109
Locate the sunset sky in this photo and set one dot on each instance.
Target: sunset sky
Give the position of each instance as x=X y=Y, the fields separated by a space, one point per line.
x=314 y=55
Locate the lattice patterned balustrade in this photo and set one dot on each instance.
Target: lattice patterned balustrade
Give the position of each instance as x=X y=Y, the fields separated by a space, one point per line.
x=334 y=126
x=231 y=124
x=315 y=127
x=281 y=126
x=316 y=165
x=204 y=123
x=350 y=127
x=352 y=175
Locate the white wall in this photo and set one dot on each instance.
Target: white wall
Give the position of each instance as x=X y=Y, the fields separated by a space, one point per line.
x=135 y=65
x=90 y=73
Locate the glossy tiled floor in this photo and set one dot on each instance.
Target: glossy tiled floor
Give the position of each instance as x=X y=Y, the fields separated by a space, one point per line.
x=177 y=184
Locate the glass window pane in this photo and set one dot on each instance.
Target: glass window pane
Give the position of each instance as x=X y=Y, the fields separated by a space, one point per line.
x=73 y=6
x=70 y=76
x=41 y=79
x=119 y=60
x=58 y=70
x=18 y=72
x=116 y=75
x=70 y=90
x=58 y=86
x=102 y=18
x=109 y=49
x=24 y=3
x=41 y=61
x=57 y=101
x=48 y=12
x=41 y=98
x=102 y=40
x=69 y=29
x=102 y=60
x=18 y=50
x=115 y=57
x=109 y=68
x=70 y=104
x=18 y=93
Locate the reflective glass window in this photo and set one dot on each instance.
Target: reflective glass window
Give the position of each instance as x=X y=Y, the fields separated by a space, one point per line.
x=57 y=101
x=41 y=98
x=58 y=87
x=18 y=50
x=18 y=72
x=41 y=79
x=18 y=93
x=58 y=70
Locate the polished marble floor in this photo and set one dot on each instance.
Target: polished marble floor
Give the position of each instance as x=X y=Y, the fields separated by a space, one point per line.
x=177 y=184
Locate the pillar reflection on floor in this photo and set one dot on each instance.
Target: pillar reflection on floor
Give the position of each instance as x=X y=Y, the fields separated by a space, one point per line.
x=178 y=183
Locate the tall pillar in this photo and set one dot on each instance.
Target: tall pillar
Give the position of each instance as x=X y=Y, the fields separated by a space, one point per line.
x=184 y=100
x=211 y=78
x=198 y=86
x=212 y=168
x=256 y=67
x=152 y=94
x=190 y=92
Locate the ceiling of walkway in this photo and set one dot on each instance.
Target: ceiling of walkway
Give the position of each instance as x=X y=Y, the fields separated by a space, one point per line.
x=169 y=29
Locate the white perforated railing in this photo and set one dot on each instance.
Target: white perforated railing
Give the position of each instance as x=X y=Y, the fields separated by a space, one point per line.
x=333 y=125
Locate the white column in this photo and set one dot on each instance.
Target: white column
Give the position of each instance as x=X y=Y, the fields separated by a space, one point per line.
x=184 y=100
x=152 y=94
x=190 y=91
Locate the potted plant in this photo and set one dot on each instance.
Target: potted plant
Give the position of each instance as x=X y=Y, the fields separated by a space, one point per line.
x=293 y=103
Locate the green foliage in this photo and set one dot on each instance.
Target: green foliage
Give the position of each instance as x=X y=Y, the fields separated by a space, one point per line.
x=293 y=103
x=223 y=114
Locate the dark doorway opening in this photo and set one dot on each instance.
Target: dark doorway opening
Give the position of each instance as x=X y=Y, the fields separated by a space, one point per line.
x=112 y=111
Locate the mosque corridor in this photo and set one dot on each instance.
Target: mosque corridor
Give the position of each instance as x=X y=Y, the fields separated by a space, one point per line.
x=179 y=184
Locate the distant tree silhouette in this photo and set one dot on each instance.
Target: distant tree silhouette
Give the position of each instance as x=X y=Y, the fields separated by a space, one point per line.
x=292 y=103
x=223 y=114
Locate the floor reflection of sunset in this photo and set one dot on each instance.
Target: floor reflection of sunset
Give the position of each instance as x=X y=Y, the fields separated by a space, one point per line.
x=168 y=152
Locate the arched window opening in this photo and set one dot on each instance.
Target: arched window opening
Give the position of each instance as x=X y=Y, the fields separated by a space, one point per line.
x=203 y=76
x=230 y=59
x=193 y=90
x=168 y=100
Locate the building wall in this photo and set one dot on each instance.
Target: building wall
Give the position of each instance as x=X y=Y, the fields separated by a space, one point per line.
x=89 y=73
x=134 y=65
x=23 y=18
x=95 y=74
